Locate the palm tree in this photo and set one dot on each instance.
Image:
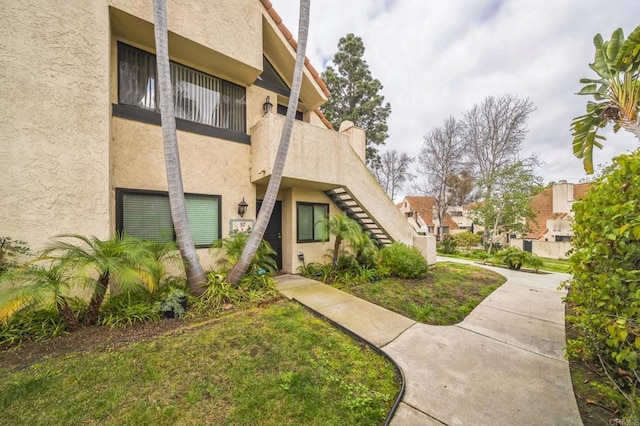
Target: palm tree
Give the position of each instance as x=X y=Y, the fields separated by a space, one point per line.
x=269 y=201
x=343 y=229
x=36 y=285
x=617 y=93
x=95 y=263
x=195 y=274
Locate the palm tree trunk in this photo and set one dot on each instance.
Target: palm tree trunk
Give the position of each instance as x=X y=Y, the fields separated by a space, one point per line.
x=195 y=274
x=269 y=201
x=91 y=314
x=65 y=312
x=336 y=251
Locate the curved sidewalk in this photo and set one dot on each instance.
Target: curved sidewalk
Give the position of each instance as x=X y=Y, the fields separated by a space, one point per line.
x=504 y=364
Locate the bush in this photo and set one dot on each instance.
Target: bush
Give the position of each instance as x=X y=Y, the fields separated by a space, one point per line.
x=403 y=261
x=30 y=325
x=605 y=264
x=232 y=249
x=127 y=309
x=479 y=255
x=448 y=245
x=467 y=239
x=514 y=258
x=221 y=294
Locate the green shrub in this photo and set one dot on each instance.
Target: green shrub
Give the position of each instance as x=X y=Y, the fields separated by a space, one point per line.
x=448 y=245
x=30 y=325
x=232 y=250
x=129 y=308
x=479 y=254
x=515 y=258
x=467 y=239
x=605 y=265
x=219 y=293
x=403 y=261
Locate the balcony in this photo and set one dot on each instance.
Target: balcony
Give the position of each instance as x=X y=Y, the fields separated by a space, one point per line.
x=326 y=160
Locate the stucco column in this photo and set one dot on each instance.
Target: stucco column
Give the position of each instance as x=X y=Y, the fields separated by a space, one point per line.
x=427 y=246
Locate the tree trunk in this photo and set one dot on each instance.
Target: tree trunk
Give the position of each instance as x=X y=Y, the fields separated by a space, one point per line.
x=91 y=314
x=195 y=274
x=269 y=200
x=336 y=251
x=65 y=312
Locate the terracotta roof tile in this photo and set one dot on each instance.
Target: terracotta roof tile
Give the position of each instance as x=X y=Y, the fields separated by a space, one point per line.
x=289 y=37
x=542 y=207
x=581 y=189
x=324 y=119
x=424 y=207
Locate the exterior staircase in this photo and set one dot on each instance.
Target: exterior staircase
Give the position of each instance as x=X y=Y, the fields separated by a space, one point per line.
x=345 y=200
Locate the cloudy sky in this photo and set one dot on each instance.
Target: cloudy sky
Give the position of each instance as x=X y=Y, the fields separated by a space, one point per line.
x=437 y=59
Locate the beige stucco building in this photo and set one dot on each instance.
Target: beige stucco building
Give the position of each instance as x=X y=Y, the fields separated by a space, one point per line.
x=81 y=149
x=550 y=232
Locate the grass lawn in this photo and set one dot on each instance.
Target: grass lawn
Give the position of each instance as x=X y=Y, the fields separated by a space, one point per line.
x=549 y=265
x=445 y=297
x=277 y=365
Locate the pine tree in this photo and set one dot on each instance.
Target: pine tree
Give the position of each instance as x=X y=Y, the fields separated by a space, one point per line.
x=355 y=95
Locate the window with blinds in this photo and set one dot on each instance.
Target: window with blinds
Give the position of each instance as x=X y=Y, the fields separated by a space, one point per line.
x=197 y=97
x=147 y=215
x=311 y=225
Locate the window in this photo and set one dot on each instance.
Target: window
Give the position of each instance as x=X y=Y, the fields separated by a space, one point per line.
x=197 y=96
x=310 y=222
x=455 y=213
x=282 y=110
x=147 y=215
x=562 y=238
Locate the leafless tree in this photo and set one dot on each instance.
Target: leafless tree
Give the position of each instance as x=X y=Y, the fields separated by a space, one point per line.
x=493 y=133
x=392 y=171
x=441 y=157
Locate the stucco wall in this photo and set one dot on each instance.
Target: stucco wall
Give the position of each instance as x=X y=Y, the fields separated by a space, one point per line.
x=196 y=25
x=209 y=165
x=54 y=144
x=548 y=249
x=323 y=156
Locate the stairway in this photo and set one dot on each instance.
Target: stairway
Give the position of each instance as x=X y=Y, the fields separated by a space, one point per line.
x=345 y=200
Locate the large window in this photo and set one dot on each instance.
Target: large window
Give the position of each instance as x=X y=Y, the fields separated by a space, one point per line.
x=311 y=226
x=197 y=96
x=147 y=215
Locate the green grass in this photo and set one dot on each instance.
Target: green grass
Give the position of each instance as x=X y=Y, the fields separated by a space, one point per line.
x=277 y=365
x=445 y=297
x=549 y=265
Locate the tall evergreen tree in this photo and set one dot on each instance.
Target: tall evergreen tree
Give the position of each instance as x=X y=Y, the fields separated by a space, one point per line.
x=355 y=95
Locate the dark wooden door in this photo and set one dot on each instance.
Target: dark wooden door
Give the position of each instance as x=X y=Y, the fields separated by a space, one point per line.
x=273 y=234
x=527 y=245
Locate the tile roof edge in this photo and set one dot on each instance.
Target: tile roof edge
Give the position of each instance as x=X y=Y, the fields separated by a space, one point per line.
x=289 y=37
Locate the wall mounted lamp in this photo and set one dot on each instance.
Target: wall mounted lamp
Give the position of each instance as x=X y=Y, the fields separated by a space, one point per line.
x=301 y=256
x=267 y=106
x=242 y=207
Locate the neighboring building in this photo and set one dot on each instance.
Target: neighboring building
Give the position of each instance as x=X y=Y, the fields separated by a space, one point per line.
x=81 y=146
x=550 y=232
x=422 y=215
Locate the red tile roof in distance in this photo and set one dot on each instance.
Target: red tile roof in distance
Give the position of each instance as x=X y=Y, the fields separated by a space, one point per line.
x=424 y=206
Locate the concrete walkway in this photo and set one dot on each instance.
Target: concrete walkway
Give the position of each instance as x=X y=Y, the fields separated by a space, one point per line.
x=503 y=365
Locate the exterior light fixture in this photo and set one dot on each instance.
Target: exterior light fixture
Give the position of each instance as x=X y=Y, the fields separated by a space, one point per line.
x=242 y=207
x=267 y=106
x=301 y=256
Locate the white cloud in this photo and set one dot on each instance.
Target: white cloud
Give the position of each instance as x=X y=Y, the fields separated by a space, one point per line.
x=437 y=59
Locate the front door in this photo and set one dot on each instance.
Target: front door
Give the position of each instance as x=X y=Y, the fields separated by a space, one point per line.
x=273 y=234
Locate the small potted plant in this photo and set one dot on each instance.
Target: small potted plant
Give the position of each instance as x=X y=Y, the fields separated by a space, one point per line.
x=174 y=304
